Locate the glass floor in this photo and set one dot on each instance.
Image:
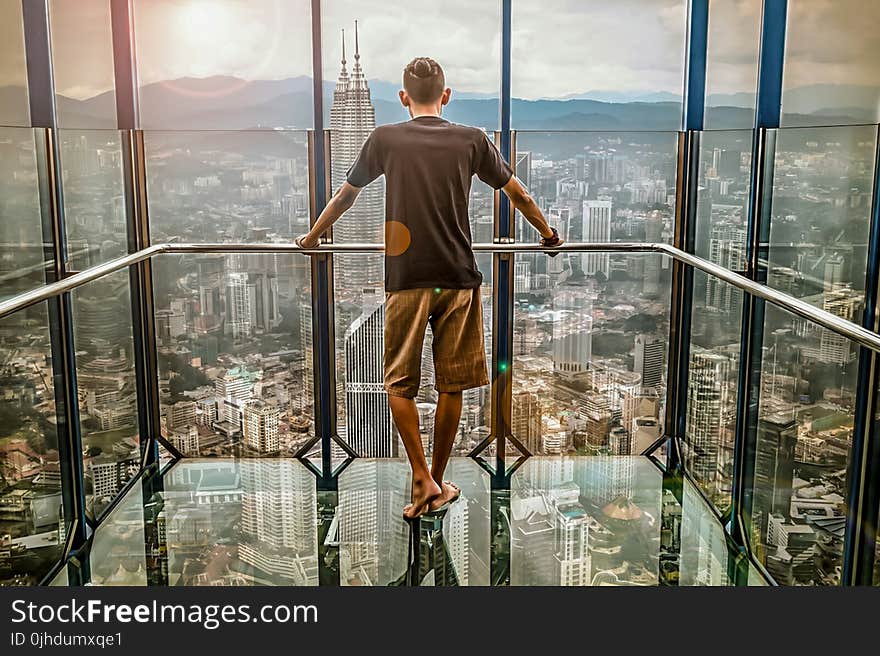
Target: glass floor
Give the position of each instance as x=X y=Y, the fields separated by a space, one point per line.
x=564 y=521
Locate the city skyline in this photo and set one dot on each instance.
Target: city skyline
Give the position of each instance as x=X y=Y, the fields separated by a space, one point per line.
x=192 y=27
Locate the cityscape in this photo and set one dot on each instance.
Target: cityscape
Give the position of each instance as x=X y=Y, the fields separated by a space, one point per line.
x=589 y=364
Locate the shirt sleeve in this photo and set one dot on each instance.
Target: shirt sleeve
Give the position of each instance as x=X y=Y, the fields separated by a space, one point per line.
x=489 y=165
x=368 y=165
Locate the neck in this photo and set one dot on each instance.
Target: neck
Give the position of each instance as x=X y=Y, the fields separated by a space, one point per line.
x=424 y=110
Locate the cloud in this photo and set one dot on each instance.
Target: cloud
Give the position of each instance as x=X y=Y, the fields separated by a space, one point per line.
x=560 y=47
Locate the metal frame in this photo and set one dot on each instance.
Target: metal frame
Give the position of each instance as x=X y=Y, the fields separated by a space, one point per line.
x=767 y=118
x=687 y=182
x=863 y=496
x=41 y=97
x=848 y=329
x=137 y=228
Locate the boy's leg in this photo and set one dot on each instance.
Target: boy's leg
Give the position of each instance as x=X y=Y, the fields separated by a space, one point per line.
x=424 y=489
x=459 y=364
x=445 y=428
x=406 y=318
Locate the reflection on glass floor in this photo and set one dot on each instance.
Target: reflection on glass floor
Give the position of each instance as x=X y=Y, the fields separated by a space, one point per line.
x=564 y=521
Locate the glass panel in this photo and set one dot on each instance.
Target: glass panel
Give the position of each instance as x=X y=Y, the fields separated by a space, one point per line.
x=61 y=579
x=627 y=72
x=22 y=257
x=32 y=521
x=805 y=424
x=599 y=186
x=822 y=189
x=711 y=393
x=14 y=108
x=235 y=353
x=94 y=201
x=216 y=522
x=732 y=63
x=589 y=352
x=463 y=38
x=107 y=389
x=224 y=64
x=704 y=554
x=585 y=521
x=723 y=197
x=227 y=186
x=830 y=75
x=117 y=553
x=82 y=58
x=374 y=539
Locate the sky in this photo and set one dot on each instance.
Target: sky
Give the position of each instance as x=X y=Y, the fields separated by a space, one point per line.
x=560 y=47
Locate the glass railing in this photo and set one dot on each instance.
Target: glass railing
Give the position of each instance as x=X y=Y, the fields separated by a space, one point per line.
x=33 y=519
x=569 y=521
x=235 y=341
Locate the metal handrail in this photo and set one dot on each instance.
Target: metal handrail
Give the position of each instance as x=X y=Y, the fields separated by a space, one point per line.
x=848 y=329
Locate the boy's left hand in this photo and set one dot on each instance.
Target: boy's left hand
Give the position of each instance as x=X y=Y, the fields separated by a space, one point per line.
x=306 y=241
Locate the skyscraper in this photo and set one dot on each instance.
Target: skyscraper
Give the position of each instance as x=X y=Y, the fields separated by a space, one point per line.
x=596 y=228
x=833 y=347
x=727 y=247
x=239 y=308
x=774 y=469
x=572 y=333
x=653 y=233
x=261 y=427
x=526 y=419
x=706 y=403
x=262 y=271
x=278 y=519
x=368 y=418
x=650 y=354
x=352 y=119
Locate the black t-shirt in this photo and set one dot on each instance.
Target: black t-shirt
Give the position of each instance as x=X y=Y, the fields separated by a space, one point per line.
x=428 y=164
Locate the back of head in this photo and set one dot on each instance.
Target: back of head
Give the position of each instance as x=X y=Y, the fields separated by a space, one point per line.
x=423 y=80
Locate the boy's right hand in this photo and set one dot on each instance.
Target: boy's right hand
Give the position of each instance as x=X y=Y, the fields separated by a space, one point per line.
x=552 y=242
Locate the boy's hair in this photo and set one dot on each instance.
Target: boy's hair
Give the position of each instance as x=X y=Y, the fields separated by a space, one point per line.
x=423 y=80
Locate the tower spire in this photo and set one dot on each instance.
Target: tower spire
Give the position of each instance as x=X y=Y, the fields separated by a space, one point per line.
x=357 y=51
x=343 y=47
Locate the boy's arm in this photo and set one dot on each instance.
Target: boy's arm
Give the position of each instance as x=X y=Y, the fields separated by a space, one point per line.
x=522 y=201
x=342 y=200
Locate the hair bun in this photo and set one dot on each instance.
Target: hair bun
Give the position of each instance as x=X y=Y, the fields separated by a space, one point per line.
x=422 y=68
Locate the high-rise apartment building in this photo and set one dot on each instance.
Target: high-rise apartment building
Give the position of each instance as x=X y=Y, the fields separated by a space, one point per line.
x=526 y=419
x=650 y=354
x=239 y=308
x=596 y=228
x=833 y=347
x=727 y=247
x=260 y=427
x=707 y=399
x=278 y=519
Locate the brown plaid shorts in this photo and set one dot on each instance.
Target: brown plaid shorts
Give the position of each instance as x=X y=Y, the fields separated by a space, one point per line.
x=456 y=320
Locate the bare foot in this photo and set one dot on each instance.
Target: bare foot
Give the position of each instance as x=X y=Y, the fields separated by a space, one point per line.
x=423 y=492
x=450 y=493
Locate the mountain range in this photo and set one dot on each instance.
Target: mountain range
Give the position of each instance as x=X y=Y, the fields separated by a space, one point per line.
x=223 y=102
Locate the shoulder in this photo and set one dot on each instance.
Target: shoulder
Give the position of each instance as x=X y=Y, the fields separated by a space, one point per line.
x=475 y=134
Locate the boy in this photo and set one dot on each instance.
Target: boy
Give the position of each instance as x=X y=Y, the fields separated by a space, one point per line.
x=431 y=276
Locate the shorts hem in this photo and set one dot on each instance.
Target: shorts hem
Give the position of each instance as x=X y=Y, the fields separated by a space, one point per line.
x=460 y=387
x=403 y=394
